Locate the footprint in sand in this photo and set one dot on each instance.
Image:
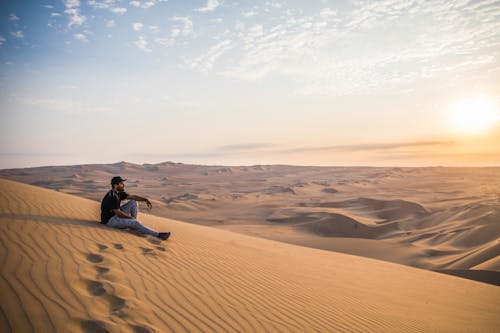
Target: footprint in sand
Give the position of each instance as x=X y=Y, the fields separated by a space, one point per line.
x=102 y=247
x=95 y=258
x=147 y=251
x=93 y=326
x=117 y=305
x=161 y=248
x=154 y=240
x=141 y=329
x=95 y=288
x=118 y=246
x=101 y=270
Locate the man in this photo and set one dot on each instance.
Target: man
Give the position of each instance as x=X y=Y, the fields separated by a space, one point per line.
x=115 y=216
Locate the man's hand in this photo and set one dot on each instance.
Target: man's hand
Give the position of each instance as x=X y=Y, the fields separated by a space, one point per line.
x=138 y=198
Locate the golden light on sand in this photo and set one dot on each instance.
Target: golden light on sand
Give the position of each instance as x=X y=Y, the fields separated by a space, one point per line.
x=474 y=115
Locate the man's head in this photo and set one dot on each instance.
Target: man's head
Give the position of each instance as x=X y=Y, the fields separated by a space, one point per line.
x=118 y=183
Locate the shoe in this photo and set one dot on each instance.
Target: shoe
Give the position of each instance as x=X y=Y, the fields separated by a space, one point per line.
x=164 y=235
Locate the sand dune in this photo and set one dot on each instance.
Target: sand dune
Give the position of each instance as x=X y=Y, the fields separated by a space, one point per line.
x=434 y=218
x=63 y=272
x=388 y=210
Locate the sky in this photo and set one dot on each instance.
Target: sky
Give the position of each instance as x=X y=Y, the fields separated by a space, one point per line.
x=378 y=83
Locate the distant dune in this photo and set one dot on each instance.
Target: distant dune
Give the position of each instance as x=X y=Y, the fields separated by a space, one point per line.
x=438 y=218
x=64 y=272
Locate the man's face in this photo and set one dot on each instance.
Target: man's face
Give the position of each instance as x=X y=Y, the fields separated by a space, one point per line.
x=120 y=186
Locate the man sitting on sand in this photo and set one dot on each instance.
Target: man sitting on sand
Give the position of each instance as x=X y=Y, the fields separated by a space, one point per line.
x=115 y=216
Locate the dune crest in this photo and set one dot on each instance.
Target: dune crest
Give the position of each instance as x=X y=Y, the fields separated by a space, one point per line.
x=62 y=271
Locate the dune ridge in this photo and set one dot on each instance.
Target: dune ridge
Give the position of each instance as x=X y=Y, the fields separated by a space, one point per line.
x=63 y=272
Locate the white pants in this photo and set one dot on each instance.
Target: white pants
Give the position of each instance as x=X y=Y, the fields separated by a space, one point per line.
x=122 y=223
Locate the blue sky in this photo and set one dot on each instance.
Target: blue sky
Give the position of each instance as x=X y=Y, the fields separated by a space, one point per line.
x=246 y=82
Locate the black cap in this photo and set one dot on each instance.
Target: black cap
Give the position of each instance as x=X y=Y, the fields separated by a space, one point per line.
x=117 y=180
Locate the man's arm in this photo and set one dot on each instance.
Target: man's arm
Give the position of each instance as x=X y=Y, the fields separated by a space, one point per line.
x=138 y=198
x=121 y=214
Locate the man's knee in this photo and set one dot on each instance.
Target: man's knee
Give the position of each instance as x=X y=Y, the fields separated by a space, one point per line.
x=135 y=224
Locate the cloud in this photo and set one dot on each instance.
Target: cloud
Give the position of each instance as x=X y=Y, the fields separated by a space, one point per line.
x=137 y=26
x=370 y=146
x=99 y=5
x=110 y=23
x=144 y=5
x=73 y=12
x=206 y=62
x=155 y=29
x=13 y=17
x=119 y=10
x=366 y=50
x=142 y=44
x=185 y=28
x=166 y=42
x=327 y=12
x=209 y=7
x=276 y=5
x=17 y=34
x=61 y=105
x=246 y=146
x=2 y=40
x=250 y=13
x=80 y=37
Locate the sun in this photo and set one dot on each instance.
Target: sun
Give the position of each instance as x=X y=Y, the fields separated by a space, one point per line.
x=474 y=115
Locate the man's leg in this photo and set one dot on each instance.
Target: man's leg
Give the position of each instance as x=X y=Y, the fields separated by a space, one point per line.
x=121 y=223
x=130 y=208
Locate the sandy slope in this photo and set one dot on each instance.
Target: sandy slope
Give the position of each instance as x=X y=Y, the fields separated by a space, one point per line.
x=437 y=218
x=62 y=271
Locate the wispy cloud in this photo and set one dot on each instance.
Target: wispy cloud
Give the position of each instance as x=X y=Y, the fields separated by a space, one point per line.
x=100 y=4
x=13 y=17
x=183 y=26
x=209 y=7
x=2 y=40
x=119 y=10
x=246 y=146
x=165 y=42
x=154 y=29
x=142 y=44
x=206 y=61
x=80 y=37
x=60 y=105
x=144 y=5
x=327 y=12
x=250 y=13
x=17 y=34
x=369 y=146
x=73 y=12
x=364 y=51
x=137 y=26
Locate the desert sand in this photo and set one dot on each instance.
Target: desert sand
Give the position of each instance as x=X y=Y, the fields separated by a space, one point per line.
x=444 y=219
x=64 y=272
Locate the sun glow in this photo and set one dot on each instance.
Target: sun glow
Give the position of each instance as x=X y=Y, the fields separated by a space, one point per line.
x=474 y=115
